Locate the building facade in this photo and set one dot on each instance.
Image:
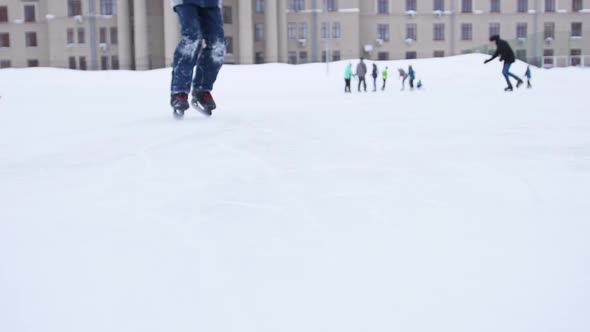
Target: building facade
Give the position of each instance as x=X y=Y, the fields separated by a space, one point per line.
x=142 y=34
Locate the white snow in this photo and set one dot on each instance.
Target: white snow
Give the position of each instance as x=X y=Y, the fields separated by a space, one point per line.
x=296 y=208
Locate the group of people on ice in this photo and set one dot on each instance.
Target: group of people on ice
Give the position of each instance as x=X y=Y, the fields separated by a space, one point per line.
x=361 y=73
x=202 y=50
x=503 y=50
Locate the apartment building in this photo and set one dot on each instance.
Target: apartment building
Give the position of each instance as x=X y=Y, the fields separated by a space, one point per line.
x=142 y=34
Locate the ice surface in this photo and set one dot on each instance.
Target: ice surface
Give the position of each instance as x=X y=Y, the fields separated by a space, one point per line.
x=296 y=208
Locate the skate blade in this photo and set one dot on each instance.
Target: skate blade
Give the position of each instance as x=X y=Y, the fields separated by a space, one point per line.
x=202 y=110
x=178 y=114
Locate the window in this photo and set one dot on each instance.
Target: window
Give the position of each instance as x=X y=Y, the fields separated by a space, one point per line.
x=336 y=56
x=494 y=29
x=303 y=31
x=336 y=30
x=522 y=6
x=439 y=5
x=325 y=30
x=70 y=36
x=5 y=64
x=466 y=31
x=383 y=56
x=81 y=36
x=576 y=57
x=74 y=7
x=292 y=57
x=115 y=62
x=259 y=57
x=577 y=5
x=411 y=55
x=467 y=6
x=302 y=57
x=383 y=7
x=4 y=40
x=229 y=45
x=32 y=63
x=30 y=13
x=114 y=36
x=30 y=39
x=549 y=30
x=439 y=54
x=82 y=62
x=521 y=30
x=3 y=14
x=521 y=55
x=102 y=35
x=411 y=5
x=258 y=32
x=227 y=15
x=549 y=6
x=548 y=59
x=324 y=56
x=494 y=6
x=72 y=62
x=260 y=6
x=383 y=32
x=332 y=5
x=576 y=29
x=104 y=62
x=412 y=31
x=107 y=7
x=292 y=31
x=296 y=5
x=439 y=31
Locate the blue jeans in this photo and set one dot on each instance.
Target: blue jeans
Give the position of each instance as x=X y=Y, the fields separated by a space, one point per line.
x=202 y=44
x=506 y=72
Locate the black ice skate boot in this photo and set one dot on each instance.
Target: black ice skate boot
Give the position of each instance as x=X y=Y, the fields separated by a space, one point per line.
x=179 y=103
x=204 y=102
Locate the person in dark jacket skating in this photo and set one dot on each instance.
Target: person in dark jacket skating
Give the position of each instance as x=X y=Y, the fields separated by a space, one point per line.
x=361 y=72
x=202 y=45
x=506 y=54
x=374 y=74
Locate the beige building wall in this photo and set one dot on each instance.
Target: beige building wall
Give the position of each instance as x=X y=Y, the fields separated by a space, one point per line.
x=258 y=31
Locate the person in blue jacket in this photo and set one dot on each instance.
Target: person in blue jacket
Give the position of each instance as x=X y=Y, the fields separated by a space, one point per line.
x=412 y=76
x=528 y=76
x=201 y=46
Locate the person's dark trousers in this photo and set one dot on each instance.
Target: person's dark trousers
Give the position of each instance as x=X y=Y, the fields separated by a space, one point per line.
x=507 y=74
x=364 y=82
x=198 y=25
x=528 y=84
x=375 y=83
x=347 y=86
x=383 y=87
x=411 y=83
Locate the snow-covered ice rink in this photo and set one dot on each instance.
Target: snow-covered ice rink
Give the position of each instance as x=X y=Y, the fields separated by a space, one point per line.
x=296 y=208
